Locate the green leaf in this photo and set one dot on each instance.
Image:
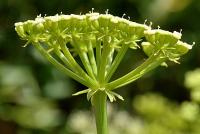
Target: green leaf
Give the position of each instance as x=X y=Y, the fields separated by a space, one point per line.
x=81 y=92
x=118 y=96
x=91 y=93
x=110 y=96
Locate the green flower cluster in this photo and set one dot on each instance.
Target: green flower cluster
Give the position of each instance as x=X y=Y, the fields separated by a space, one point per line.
x=100 y=41
x=166 y=42
x=89 y=28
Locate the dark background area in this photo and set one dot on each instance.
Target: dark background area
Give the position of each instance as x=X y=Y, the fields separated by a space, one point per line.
x=31 y=89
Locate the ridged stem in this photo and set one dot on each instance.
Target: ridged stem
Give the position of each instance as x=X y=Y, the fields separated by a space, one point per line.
x=99 y=103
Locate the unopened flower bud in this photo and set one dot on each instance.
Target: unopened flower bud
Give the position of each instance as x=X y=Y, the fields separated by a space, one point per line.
x=20 y=29
x=137 y=29
x=182 y=48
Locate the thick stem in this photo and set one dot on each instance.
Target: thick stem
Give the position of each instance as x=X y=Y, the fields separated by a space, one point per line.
x=100 y=109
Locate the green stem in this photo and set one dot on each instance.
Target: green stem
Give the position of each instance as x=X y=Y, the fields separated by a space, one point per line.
x=62 y=68
x=91 y=57
x=110 y=59
x=99 y=103
x=64 y=59
x=73 y=62
x=152 y=62
x=98 y=53
x=83 y=55
x=104 y=62
x=117 y=61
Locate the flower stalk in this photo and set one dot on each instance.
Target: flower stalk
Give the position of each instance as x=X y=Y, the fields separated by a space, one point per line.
x=99 y=103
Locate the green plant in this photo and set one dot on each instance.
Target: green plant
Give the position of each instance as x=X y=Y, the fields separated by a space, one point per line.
x=100 y=41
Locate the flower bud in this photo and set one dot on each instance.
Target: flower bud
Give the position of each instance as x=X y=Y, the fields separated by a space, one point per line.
x=148 y=48
x=182 y=48
x=137 y=29
x=123 y=24
x=93 y=21
x=38 y=26
x=77 y=22
x=104 y=20
x=20 y=29
x=64 y=23
x=114 y=22
x=51 y=23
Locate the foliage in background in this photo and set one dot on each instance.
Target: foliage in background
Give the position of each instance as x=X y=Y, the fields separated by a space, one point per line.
x=37 y=74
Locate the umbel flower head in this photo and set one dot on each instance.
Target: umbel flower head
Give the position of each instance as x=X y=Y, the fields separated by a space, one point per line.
x=100 y=42
x=167 y=42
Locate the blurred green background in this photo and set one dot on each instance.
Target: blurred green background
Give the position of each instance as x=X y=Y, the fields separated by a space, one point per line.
x=35 y=98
